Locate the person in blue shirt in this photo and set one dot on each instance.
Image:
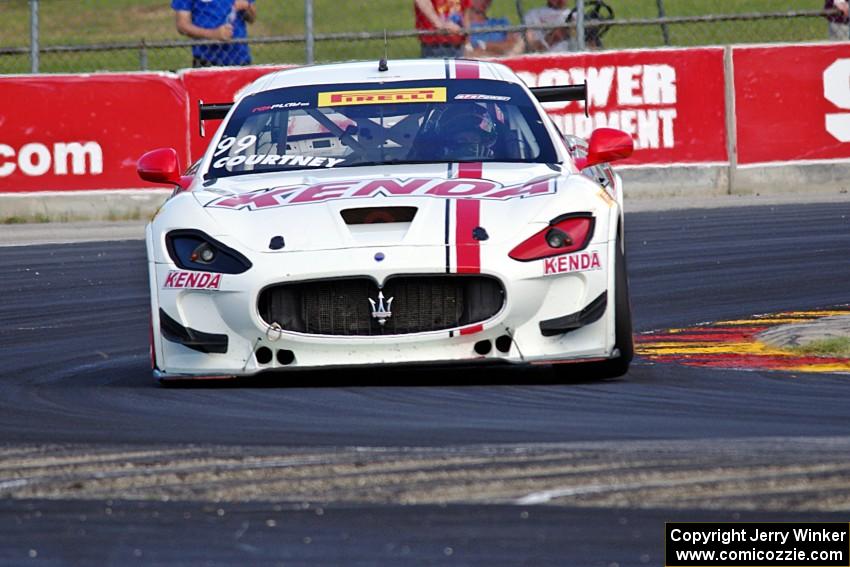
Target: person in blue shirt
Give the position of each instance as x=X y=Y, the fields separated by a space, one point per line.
x=222 y=20
x=490 y=43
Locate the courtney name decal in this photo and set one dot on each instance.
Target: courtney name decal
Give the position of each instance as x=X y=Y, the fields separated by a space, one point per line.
x=277 y=160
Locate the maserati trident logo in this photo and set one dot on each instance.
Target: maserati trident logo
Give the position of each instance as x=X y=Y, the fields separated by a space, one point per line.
x=380 y=311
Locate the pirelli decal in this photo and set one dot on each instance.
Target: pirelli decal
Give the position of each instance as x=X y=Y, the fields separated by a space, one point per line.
x=383 y=96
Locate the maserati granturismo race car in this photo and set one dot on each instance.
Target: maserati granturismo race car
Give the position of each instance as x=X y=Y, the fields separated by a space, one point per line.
x=409 y=212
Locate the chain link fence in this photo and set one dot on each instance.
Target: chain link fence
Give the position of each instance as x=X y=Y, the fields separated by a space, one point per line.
x=74 y=36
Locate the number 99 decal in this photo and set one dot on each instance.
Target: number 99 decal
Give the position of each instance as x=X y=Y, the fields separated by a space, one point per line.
x=242 y=144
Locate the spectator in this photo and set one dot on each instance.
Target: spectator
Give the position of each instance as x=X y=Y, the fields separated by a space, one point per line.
x=447 y=19
x=557 y=39
x=483 y=44
x=839 y=24
x=221 y=20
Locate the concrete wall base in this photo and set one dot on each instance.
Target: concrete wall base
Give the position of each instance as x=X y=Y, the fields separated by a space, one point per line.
x=675 y=181
x=700 y=182
x=796 y=178
x=81 y=205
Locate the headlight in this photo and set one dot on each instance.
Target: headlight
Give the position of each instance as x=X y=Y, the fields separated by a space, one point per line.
x=194 y=250
x=565 y=234
x=203 y=254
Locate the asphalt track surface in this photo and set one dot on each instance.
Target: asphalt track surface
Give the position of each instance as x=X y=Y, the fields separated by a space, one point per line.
x=75 y=381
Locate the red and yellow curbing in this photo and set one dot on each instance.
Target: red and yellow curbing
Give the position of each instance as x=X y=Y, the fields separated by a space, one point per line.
x=734 y=344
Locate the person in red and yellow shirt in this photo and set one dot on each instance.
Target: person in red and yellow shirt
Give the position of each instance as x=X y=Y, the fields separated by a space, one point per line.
x=448 y=20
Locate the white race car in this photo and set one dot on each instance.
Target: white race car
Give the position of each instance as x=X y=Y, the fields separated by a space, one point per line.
x=409 y=212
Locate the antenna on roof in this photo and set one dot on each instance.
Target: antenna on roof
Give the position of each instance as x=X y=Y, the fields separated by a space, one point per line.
x=382 y=64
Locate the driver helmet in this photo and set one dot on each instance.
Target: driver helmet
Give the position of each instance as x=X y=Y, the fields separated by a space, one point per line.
x=467 y=131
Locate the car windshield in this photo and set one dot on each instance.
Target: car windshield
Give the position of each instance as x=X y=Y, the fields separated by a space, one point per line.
x=331 y=126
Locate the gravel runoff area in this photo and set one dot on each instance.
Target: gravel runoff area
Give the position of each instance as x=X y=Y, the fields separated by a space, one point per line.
x=803 y=334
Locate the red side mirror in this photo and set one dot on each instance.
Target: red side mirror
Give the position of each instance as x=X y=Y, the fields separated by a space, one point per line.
x=160 y=166
x=605 y=145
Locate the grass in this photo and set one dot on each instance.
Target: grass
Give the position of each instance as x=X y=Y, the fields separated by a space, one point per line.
x=111 y=215
x=19 y=219
x=85 y=22
x=835 y=347
x=115 y=216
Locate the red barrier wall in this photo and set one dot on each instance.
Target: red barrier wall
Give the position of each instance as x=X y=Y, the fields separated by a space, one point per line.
x=670 y=100
x=792 y=102
x=70 y=132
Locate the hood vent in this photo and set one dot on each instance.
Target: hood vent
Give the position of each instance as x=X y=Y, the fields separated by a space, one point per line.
x=378 y=215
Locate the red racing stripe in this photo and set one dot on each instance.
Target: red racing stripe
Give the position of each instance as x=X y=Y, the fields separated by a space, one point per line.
x=470 y=170
x=468 y=218
x=472 y=329
x=467 y=69
x=468 y=249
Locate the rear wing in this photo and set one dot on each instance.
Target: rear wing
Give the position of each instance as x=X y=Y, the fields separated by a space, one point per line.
x=562 y=93
x=565 y=93
x=212 y=111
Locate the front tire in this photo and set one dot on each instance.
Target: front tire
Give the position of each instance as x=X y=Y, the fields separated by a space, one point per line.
x=623 y=339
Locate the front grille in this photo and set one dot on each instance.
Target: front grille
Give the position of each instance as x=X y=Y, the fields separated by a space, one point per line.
x=420 y=304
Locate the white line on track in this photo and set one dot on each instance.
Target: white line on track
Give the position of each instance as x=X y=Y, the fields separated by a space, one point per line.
x=7 y=484
x=544 y=496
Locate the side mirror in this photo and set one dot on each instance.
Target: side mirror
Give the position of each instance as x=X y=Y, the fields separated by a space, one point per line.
x=160 y=166
x=605 y=145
